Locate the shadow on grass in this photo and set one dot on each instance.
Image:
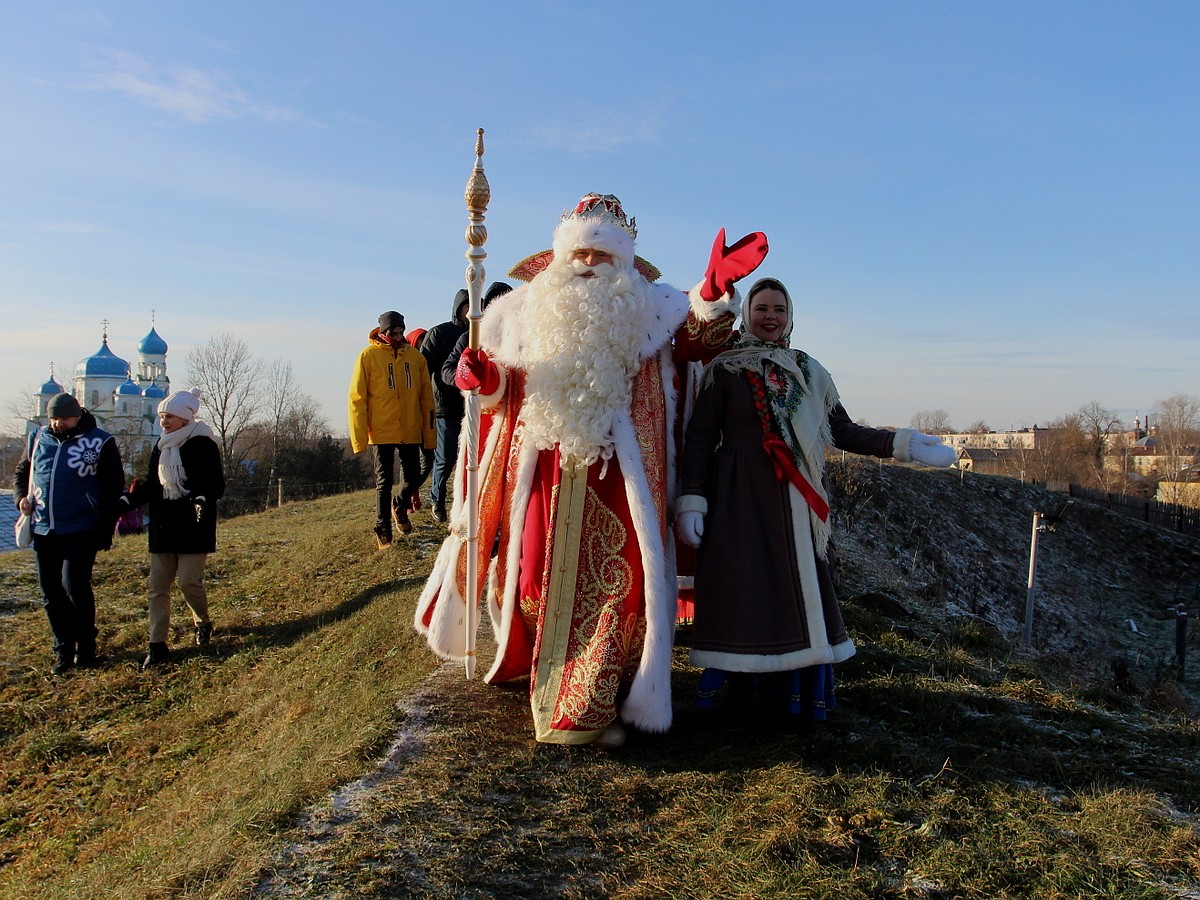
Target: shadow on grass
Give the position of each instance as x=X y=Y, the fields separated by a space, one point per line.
x=228 y=640
x=913 y=726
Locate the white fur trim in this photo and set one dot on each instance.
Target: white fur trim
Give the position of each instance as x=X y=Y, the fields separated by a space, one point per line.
x=648 y=705
x=691 y=503
x=901 y=444
x=447 y=629
x=575 y=233
x=820 y=650
x=708 y=310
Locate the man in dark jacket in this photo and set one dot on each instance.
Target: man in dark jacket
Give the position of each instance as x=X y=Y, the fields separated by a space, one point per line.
x=70 y=472
x=447 y=399
x=183 y=484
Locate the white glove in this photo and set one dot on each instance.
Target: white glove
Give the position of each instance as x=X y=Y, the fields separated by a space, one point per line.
x=689 y=527
x=928 y=450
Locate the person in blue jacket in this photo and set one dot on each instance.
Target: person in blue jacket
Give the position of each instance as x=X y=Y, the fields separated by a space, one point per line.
x=68 y=479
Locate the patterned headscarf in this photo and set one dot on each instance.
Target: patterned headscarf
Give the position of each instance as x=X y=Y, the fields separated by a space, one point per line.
x=786 y=377
x=783 y=371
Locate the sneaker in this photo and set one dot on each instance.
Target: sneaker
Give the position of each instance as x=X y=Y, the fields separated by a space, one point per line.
x=203 y=634
x=400 y=517
x=383 y=537
x=63 y=662
x=157 y=655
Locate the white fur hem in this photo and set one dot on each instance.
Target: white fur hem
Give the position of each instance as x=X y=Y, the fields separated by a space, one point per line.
x=708 y=310
x=777 y=662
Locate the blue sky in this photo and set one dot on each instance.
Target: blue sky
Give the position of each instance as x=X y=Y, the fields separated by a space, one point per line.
x=987 y=208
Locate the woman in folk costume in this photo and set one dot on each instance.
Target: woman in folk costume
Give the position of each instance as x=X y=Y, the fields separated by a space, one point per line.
x=754 y=502
x=577 y=382
x=184 y=482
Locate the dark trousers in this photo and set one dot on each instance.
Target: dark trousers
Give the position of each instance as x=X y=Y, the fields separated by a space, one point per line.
x=444 y=459
x=410 y=480
x=64 y=567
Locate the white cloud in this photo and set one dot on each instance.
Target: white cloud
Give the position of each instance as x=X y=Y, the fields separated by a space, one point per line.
x=601 y=131
x=184 y=92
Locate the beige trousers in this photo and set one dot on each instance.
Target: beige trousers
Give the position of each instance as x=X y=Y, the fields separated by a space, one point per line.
x=165 y=568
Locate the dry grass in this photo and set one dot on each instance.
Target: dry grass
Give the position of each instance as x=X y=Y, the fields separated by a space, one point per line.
x=131 y=784
x=281 y=765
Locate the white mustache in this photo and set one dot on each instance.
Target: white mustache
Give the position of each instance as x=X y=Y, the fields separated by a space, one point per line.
x=579 y=267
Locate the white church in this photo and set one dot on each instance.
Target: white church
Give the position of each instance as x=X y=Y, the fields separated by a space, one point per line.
x=124 y=403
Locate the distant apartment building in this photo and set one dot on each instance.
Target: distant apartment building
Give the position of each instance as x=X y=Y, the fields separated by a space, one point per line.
x=1025 y=439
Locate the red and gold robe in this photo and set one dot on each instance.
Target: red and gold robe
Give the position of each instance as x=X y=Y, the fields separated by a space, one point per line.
x=582 y=591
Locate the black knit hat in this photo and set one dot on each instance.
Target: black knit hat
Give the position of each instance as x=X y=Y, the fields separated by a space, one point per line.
x=390 y=320
x=63 y=406
x=495 y=289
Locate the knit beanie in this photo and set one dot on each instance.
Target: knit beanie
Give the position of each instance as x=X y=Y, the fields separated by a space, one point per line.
x=63 y=406
x=184 y=404
x=390 y=320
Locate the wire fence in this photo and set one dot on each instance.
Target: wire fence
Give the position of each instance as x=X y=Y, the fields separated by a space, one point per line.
x=242 y=499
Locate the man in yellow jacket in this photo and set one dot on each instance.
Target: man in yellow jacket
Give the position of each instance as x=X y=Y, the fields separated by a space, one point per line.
x=391 y=411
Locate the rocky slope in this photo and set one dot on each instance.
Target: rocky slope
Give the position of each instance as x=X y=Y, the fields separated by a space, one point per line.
x=946 y=545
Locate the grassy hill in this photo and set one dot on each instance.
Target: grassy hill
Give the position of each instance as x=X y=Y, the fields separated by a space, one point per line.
x=318 y=749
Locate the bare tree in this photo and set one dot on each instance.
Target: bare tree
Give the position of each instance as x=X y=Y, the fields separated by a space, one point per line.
x=293 y=417
x=1060 y=455
x=228 y=377
x=1099 y=426
x=932 y=421
x=978 y=427
x=1178 y=433
x=20 y=410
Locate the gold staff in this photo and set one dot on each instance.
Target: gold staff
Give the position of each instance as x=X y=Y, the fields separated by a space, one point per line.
x=477 y=195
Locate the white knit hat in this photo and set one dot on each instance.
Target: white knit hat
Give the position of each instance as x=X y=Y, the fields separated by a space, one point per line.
x=184 y=404
x=598 y=222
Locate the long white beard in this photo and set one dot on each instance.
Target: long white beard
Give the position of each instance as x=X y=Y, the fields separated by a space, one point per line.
x=581 y=344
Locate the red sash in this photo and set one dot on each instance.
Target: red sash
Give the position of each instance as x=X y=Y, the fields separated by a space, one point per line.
x=785 y=470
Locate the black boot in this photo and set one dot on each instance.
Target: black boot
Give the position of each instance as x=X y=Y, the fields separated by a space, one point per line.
x=85 y=654
x=203 y=634
x=157 y=655
x=64 y=659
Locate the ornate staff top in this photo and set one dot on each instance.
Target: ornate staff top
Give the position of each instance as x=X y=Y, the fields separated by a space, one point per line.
x=478 y=194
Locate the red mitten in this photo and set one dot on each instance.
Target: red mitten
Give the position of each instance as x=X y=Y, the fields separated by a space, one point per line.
x=475 y=370
x=729 y=264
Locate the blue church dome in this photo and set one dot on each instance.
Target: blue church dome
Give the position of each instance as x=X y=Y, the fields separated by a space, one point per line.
x=129 y=389
x=51 y=387
x=154 y=392
x=102 y=363
x=152 y=344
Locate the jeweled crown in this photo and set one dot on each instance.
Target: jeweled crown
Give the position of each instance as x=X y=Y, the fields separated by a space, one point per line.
x=606 y=208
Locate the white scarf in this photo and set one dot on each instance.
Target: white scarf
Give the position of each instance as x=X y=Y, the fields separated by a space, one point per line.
x=171 y=474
